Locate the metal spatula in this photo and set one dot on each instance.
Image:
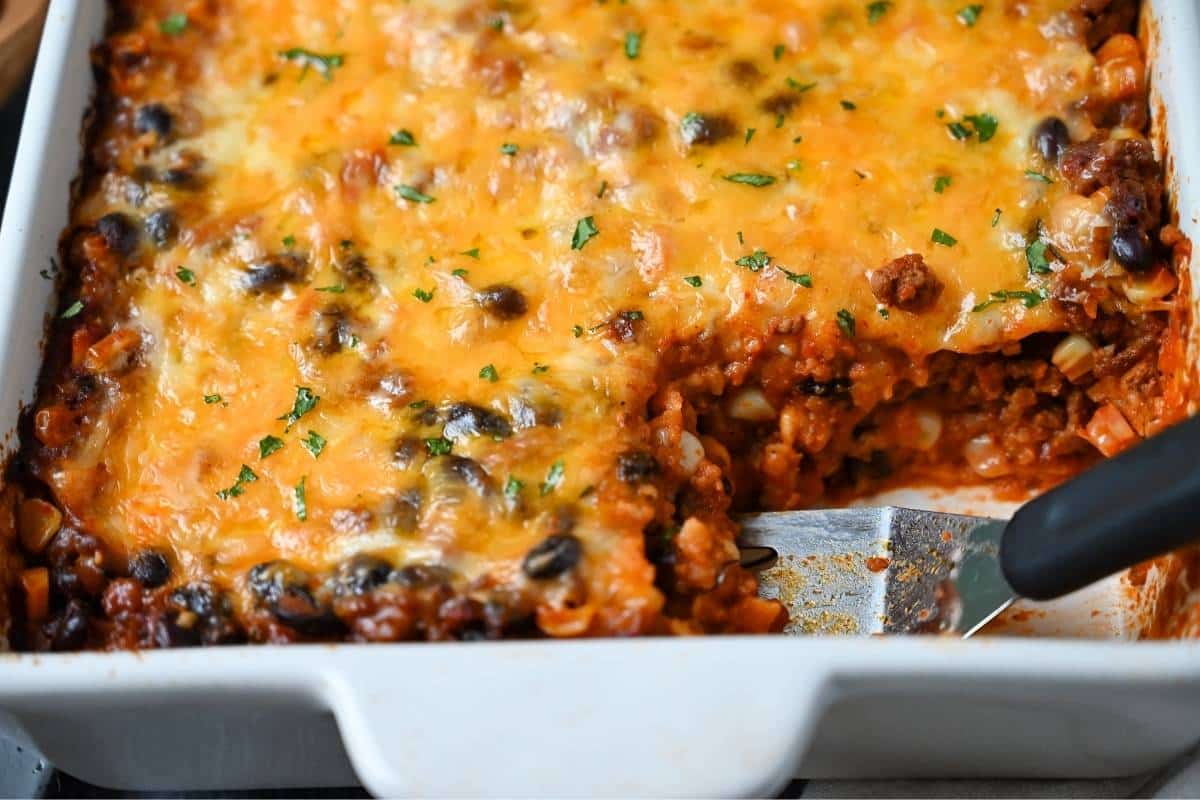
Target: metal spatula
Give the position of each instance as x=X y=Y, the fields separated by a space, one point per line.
x=898 y=570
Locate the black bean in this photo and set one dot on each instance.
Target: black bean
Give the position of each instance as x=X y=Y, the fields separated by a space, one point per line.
x=161 y=226
x=198 y=598
x=183 y=177
x=635 y=466
x=502 y=301
x=150 y=568
x=525 y=414
x=470 y=471
x=197 y=614
x=464 y=419
x=332 y=330
x=1050 y=138
x=153 y=118
x=68 y=630
x=75 y=560
x=553 y=556
x=418 y=576
x=706 y=128
x=270 y=274
x=833 y=388
x=282 y=588
x=356 y=271
x=1131 y=248
x=120 y=234
x=407 y=450
x=360 y=574
x=624 y=326
x=402 y=512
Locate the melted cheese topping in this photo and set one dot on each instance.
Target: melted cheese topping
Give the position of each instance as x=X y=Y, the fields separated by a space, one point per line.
x=525 y=119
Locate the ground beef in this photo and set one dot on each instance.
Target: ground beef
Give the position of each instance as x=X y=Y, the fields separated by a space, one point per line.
x=906 y=283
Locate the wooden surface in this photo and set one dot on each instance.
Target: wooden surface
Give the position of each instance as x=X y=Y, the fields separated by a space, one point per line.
x=20 y=29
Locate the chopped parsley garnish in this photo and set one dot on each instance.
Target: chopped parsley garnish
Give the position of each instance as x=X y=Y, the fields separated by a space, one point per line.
x=1030 y=299
x=460 y=272
x=849 y=106
x=72 y=310
x=754 y=262
x=797 y=86
x=585 y=231
x=245 y=476
x=845 y=321
x=418 y=404
x=969 y=15
x=633 y=45
x=305 y=402
x=876 y=10
x=289 y=241
x=313 y=443
x=883 y=312
x=741 y=239
x=186 y=275
x=540 y=368
x=802 y=278
x=300 y=499
x=173 y=24
x=750 y=134
x=577 y=331
x=268 y=445
x=996 y=217
x=473 y=253
x=337 y=288
x=509 y=149
x=778 y=51
x=941 y=183
x=982 y=125
x=439 y=446
x=403 y=138
x=603 y=189
x=211 y=399
x=324 y=64
x=1035 y=256
x=423 y=295
x=513 y=487
x=694 y=280
x=1037 y=176
x=939 y=236
x=750 y=179
x=554 y=478
x=413 y=194
x=488 y=373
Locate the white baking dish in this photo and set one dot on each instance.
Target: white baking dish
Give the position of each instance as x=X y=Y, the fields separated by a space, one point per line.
x=726 y=716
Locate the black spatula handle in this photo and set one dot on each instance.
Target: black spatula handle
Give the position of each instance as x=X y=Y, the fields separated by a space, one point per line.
x=1141 y=504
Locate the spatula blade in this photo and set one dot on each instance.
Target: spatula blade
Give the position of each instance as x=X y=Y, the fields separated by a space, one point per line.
x=880 y=570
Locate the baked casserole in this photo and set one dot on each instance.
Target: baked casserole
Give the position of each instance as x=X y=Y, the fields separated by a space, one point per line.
x=478 y=319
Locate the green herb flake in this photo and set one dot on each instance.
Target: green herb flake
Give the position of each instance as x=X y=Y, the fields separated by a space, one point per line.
x=603 y=189
x=413 y=195
x=939 y=236
x=300 y=499
x=750 y=134
x=513 y=487
x=969 y=15
x=633 y=45
x=585 y=231
x=985 y=125
x=750 y=179
x=305 y=402
x=337 y=288
x=754 y=262
x=186 y=276
x=174 y=24
x=403 y=138
x=509 y=149
x=1030 y=299
x=323 y=63
x=313 y=443
x=472 y=253
x=876 y=10
x=245 y=476
x=845 y=321
x=540 y=368
x=959 y=131
x=1035 y=256
x=694 y=280
x=211 y=399
x=289 y=241
x=268 y=445
x=797 y=86
x=941 y=183
x=778 y=51
x=1037 y=176
x=418 y=404
x=996 y=217
x=577 y=331
x=554 y=478
x=423 y=295
x=72 y=310
x=439 y=446
x=883 y=312
x=488 y=373
x=460 y=272
x=802 y=278
x=849 y=106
